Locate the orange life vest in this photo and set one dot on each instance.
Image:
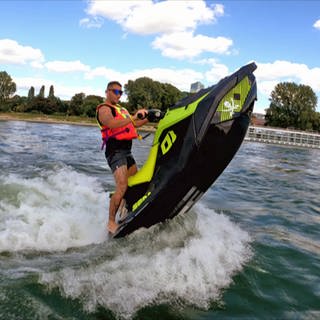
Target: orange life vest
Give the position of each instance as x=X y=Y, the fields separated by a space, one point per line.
x=127 y=132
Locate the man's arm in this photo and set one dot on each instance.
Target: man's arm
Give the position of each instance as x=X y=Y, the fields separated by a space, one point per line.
x=140 y=122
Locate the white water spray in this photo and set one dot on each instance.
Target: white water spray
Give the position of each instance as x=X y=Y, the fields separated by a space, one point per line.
x=188 y=260
x=51 y=212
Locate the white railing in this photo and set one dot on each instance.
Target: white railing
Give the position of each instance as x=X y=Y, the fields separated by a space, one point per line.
x=283 y=137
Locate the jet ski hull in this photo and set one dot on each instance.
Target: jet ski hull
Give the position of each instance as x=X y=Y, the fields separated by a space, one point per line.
x=194 y=143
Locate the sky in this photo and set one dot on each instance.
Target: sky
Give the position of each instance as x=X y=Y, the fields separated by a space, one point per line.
x=79 y=46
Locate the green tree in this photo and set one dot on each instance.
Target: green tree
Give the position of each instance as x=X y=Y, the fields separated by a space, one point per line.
x=292 y=105
x=31 y=93
x=51 y=93
x=18 y=104
x=170 y=95
x=140 y=93
x=150 y=94
x=7 y=87
x=316 y=122
x=54 y=103
x=41 y=92
x=15 y=103
x=90 y=104
x=75 y=107
x=61 y=106
x=42 y=105
x=37 y=105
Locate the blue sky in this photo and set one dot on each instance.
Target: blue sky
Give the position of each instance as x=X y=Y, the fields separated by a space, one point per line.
x=78 y=46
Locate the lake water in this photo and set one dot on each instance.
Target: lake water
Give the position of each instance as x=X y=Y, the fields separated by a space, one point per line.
x=250 y=248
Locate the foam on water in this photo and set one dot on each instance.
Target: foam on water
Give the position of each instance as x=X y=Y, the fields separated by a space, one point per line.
x=54 y=211
x=188 y=261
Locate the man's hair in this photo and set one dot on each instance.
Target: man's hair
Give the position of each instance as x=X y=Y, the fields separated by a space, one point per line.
x=111 y=83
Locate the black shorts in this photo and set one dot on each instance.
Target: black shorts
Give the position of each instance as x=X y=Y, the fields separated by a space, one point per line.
x=120 y=158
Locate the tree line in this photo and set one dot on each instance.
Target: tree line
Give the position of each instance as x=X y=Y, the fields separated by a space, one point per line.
x=291 y=105
x=141 y=92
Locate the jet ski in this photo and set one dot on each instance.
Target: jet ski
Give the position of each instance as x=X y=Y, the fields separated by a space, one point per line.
x=194 y=142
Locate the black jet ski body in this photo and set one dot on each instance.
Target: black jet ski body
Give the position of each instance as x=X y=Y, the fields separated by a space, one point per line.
x=193 y=144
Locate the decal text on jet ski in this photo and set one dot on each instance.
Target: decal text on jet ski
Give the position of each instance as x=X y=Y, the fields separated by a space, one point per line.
x=139 y=202
x=168 y=141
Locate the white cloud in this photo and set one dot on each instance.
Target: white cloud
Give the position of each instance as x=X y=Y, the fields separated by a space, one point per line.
x=266 y=87
x=168 y=17
x=179 y=78
x=317 y=24
x=66 y=66
x=103 y=72
x=312 y=78
x=216 y=73
x=24 y=83
x=281 y=71
x=267 y=74
x=11 y=52
x=60 y=90
x=186 y=45
x=93 y=22
x=148 y=17
x=173 y=21
x=270 y=74
x=117 y=11
x=67 y=92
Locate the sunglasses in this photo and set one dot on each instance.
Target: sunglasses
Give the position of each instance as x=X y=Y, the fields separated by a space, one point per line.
x=116 y=91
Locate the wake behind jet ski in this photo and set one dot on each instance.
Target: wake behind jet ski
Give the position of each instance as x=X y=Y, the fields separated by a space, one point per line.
x=194 y=142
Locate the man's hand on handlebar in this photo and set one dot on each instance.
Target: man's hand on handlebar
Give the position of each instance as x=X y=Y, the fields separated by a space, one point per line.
x=140 y=114
x=152 y=115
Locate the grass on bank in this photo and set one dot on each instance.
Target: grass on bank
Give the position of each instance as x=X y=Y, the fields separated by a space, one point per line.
x=58 y=118
x=43 y=117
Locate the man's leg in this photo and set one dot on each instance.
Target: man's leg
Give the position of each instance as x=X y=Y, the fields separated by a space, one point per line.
x=122 y=211
x=121 y=180
x=132 y=170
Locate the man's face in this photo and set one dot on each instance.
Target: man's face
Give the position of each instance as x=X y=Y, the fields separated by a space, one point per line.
x=114 y=93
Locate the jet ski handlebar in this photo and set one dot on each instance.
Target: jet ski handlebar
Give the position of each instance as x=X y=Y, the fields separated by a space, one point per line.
x=153 y=115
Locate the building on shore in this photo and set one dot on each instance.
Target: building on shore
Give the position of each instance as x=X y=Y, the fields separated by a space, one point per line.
x=258 y=119
x=196 y=86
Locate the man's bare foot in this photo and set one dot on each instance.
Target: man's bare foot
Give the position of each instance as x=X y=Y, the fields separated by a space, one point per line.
x=112 y=227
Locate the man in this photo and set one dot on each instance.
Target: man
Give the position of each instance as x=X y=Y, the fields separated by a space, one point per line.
x=118 y=129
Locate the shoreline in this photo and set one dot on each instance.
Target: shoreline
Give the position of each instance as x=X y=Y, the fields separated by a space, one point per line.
x=42 y=119
x=52 y=120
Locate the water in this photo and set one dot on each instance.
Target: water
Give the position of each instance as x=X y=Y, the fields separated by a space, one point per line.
x=250 y=249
